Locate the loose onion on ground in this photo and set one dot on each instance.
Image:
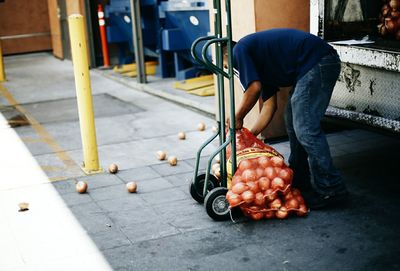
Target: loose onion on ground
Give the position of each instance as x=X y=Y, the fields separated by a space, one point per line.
x=215 y=167
x=161 y=155
x=113 y=168
x=81 y=187
x=201 y=126
x=182 y=136
x=173 y=161
x=131 y=187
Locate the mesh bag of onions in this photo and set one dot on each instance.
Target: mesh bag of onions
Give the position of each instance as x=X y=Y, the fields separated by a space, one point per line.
x=261 y=185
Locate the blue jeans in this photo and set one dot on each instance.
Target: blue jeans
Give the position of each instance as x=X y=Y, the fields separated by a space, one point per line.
x=310 y=157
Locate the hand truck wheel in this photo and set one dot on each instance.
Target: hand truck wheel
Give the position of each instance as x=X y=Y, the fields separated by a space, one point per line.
x=196 y=186
x=216 y=205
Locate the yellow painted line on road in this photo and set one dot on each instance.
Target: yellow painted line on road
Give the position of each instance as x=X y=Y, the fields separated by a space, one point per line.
x=32 y=140
x=41 y=131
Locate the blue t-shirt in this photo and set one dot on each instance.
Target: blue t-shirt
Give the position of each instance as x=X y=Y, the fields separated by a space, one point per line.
x=277 y=58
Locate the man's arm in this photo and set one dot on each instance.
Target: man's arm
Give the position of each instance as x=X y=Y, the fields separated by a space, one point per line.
x=250 y=97
x=267 y=112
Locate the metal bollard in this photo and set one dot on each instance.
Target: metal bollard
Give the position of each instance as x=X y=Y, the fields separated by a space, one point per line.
x=2 y=73
x=83 y=93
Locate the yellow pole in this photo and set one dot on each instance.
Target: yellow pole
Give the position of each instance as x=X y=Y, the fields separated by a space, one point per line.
x=2 y=73
x=83 y=93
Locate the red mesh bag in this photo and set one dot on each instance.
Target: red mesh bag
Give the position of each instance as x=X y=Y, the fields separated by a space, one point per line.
x=261 y=183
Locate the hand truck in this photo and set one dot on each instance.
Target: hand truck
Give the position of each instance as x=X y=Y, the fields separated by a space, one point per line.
x=205 y=187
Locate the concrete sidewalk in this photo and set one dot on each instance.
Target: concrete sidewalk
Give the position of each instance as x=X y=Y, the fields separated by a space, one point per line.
x=162 y=227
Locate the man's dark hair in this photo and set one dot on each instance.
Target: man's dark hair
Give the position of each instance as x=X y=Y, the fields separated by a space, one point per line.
x=225 y=47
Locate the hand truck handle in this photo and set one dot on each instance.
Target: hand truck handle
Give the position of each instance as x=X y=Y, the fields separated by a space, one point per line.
x=194 y=45
x=214 y=68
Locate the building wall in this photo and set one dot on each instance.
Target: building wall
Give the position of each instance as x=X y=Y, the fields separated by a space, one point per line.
x=28 y=18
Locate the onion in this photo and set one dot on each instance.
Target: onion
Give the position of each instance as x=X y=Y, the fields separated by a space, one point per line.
x=245 y=164
x=269 y=214
x=394 y=4
x=236 y=179
x=395 y=14
x=239 y=188
x=270 y=173
x=182 y=136
x=257 y=215
x=292 y=204
x=131 y=187
x=270 y=194
x=275 y=204
x=295 y=192
x=385 y=10
x=264 y=183
x=259 y=199
x=288 y=196
x=217 y=173
x=259 y=172
x=201 y=126
x=264 y=161
x=282 y=213
x=277 y=183
x=383 y=31
x=173 y=161
x=390 y=25
x=253 y=186
x=23 y=206
x=286 y=175
x=300 y=199
x=113 y=168
x=249 y=175
x=161 y=155
x=229 y=194
x=248 y=196
x=214 y=129
x=277 y=161
x=81 y=187
x=215 y=167
x=302 y=210
x=234 y=200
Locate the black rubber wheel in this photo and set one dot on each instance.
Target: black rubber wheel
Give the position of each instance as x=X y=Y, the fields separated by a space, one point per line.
x=196 y=187
x=216 y=205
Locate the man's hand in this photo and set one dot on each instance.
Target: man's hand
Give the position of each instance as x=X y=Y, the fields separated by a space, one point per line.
x=238 y=123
